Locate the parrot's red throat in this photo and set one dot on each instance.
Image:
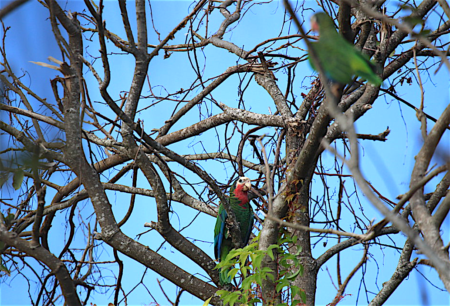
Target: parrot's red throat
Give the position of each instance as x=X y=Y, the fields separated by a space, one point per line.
x=241 y=195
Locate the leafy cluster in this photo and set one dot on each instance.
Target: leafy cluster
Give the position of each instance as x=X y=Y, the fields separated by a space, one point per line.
x=246 y=262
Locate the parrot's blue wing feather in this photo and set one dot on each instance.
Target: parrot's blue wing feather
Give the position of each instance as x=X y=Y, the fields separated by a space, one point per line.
x=218 y=238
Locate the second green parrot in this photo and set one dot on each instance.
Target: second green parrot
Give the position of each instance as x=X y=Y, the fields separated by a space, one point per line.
x=339 y=59
x=240 y=204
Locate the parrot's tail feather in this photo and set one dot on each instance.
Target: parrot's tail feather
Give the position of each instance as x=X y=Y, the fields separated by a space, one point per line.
x=224 y=278
x=372 y=78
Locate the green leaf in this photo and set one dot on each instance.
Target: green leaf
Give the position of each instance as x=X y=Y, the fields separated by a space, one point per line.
x=233 y=299
x=17 y=178
x=301 y=269
x=281 y=284
x=294 y=276
x=233 y=272
x=252 y=258
x=270 y=252
x=294 y=292
x=258 y=278
x=294 y=240
x=3 y=268
x=413 y=20
x=231 y=296
x=392 y=53
x=8 y=219
x=407 y=7
x=253 y=246
x=266 y=270
x=220 y=292
x=425 y=33
x=284 y=263
x=247 y=282
x=233 y=253
x=243 y=258
x=303 y=296
x=226 y=299
x=254 y=301
x=206 y=303
x=4 y=176
x=290 y=197
x=257 y=260
x=225 y=295
x=244 y=270
x=273 y=246
x=299 y=272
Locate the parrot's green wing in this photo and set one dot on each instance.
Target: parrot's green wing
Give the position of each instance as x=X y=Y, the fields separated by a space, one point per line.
x=339 y=59
x=334 y=67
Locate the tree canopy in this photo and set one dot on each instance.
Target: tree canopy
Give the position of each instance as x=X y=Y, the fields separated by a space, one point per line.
x=124 y=124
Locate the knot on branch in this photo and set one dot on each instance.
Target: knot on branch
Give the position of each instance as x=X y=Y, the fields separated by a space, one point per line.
x=106 y=235
x=296 y=124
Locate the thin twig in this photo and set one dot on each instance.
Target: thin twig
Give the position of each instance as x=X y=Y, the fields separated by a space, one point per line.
x=362 y=237
x=268 y=176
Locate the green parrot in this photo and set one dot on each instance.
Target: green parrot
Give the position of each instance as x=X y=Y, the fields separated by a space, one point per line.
x=339 y=59
x=240 y=204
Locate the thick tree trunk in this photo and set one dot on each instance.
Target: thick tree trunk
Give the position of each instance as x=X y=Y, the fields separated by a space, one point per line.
x=307 y=281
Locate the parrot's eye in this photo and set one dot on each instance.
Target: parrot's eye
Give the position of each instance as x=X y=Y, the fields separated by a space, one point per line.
x=240 y=180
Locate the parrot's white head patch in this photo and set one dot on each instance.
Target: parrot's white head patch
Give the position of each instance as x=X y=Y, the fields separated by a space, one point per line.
x=245 y=183
x=314 y=24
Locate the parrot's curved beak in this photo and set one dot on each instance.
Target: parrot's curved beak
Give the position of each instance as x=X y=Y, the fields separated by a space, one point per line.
x=247 y=186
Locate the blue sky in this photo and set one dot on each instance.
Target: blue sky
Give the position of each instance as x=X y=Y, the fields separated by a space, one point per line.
x=31 y=22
